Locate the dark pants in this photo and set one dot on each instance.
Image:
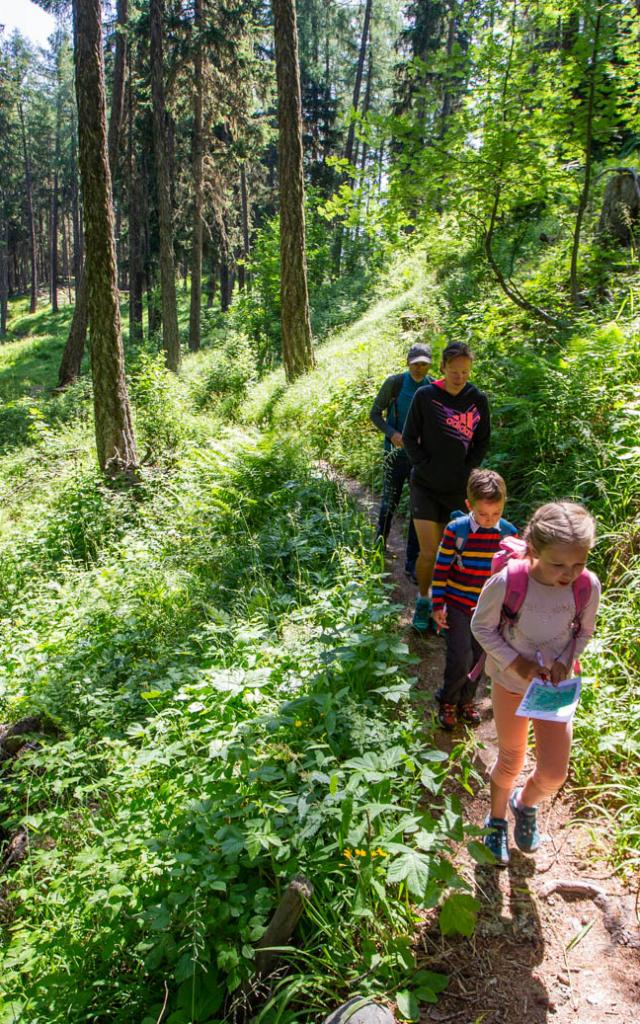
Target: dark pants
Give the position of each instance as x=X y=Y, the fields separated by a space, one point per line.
x=463 y=651
x=396 y=472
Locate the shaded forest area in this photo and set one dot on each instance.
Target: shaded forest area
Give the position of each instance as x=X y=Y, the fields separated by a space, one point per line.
x=221 y=224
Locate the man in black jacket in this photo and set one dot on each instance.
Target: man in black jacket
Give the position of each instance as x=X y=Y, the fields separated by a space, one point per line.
x=446 y=435
x=388 y=414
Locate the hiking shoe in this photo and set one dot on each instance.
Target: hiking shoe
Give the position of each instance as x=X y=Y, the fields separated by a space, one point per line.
x=525 y=832
x=496 y=841
x=468 y=713
x=422 y=615
x=448 y=716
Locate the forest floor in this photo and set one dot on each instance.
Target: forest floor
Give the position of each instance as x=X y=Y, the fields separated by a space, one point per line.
x=534 y=957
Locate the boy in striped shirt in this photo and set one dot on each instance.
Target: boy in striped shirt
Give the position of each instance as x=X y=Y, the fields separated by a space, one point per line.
x=462 y=565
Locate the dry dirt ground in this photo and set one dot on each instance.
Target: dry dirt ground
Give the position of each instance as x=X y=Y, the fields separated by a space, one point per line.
x=534 y=957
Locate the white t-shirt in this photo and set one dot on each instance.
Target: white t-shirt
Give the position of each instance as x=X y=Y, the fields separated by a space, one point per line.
x=543 y=627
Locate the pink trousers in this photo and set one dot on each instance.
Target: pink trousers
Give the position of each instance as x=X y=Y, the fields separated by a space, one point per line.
x=553 y=746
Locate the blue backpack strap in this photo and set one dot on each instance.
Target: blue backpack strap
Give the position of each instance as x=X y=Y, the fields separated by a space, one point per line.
x=506 y=528
x=461 y=526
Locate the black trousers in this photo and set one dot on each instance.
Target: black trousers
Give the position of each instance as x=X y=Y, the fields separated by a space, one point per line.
x=396 y=473
x=463 y=651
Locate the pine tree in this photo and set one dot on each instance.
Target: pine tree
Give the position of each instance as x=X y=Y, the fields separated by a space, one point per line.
x=114 y=433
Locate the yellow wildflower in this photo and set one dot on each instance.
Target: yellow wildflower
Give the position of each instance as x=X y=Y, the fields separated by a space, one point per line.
x=381 y=852
x=297 y=723
x=347 y=854
x=361 y=853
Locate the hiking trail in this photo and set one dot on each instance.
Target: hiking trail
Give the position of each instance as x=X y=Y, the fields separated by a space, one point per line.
x=557 y=937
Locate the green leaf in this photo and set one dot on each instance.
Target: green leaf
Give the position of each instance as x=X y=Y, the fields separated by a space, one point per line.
x=407 y=1005
x=480 y=853
x=458 y=914
x=413 y=868
x=431 y=979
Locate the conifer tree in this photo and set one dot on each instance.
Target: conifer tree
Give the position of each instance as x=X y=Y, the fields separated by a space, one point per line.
x=114 y=433
x=296 y=327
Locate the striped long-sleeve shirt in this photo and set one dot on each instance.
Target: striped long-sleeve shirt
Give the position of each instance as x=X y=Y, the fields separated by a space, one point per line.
x=459 y=576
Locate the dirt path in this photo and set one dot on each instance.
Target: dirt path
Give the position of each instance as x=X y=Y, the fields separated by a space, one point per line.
x=534 y=958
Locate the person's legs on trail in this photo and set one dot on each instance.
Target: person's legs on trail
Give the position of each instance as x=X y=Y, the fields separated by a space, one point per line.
x=429 y=535
x=553 y=747
x=413 y=550
x=463 y=651
x=512 y=732
x=396 y=469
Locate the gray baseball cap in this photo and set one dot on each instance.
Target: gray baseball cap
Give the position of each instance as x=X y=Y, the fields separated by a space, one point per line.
x=419 y=353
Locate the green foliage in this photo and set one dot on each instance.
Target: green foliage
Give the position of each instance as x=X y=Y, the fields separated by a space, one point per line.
x=159 y=420
x=218 y=659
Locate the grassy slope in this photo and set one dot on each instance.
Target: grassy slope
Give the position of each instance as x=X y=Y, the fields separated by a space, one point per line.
x=215 y=656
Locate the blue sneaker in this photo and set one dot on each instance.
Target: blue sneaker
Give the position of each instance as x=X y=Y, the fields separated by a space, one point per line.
x=525 y=832
x=421 y=620
x=497 y=841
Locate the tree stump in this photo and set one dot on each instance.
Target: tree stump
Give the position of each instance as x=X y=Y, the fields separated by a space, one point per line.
x=283 y=923
x=621 y=207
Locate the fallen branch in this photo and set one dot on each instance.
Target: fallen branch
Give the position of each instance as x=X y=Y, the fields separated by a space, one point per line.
x=624 y=933
x=572 y=888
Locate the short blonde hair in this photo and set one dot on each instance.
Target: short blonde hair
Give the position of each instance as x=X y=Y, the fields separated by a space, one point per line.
x=560 y=522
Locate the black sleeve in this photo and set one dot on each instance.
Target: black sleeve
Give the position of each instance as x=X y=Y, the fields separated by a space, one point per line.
x=481 y=436
x=413 y=429
x=380 y=405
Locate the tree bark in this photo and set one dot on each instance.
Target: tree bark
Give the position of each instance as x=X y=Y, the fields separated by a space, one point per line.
x=170 y=337
x=196 y=245
x=297 y=347
x=358 y=81
x=136 y=271
x=4 y=269
x=588 y=161
x=28 y=184
x=74 y=349
x=114 y=433
x=53 y=246
x=244 y=277
x=621 y=206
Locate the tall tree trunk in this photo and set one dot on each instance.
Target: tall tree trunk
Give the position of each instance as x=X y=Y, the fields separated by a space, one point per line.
x=114 y=433
x=136 y=270
x=297 y=348
x=358 y=81
x=76 y=216
x=588 y=161
x=74 y=348
x=244 y=277
x=53 y=246
x=4 y=268
x=196 y=245
x=28 y=184
x=66 y=270
x=170 y=337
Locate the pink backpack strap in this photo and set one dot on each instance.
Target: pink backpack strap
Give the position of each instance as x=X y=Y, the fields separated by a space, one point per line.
x=516 y=589
x=581 y=587
x=581 y=593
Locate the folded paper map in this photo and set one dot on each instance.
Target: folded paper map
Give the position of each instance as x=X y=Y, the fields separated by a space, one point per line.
x=551 y=703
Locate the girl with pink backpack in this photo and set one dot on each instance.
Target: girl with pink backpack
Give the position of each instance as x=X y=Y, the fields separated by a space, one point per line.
x=533 y=618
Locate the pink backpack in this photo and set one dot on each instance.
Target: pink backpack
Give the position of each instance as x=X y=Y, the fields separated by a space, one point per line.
x=512 y=552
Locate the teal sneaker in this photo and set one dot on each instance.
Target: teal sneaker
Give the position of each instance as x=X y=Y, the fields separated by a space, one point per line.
x=525 y=832
x=421 y=620
x=497 y=841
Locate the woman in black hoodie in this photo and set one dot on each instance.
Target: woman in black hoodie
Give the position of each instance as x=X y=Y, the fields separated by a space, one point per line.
x=446 y=435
